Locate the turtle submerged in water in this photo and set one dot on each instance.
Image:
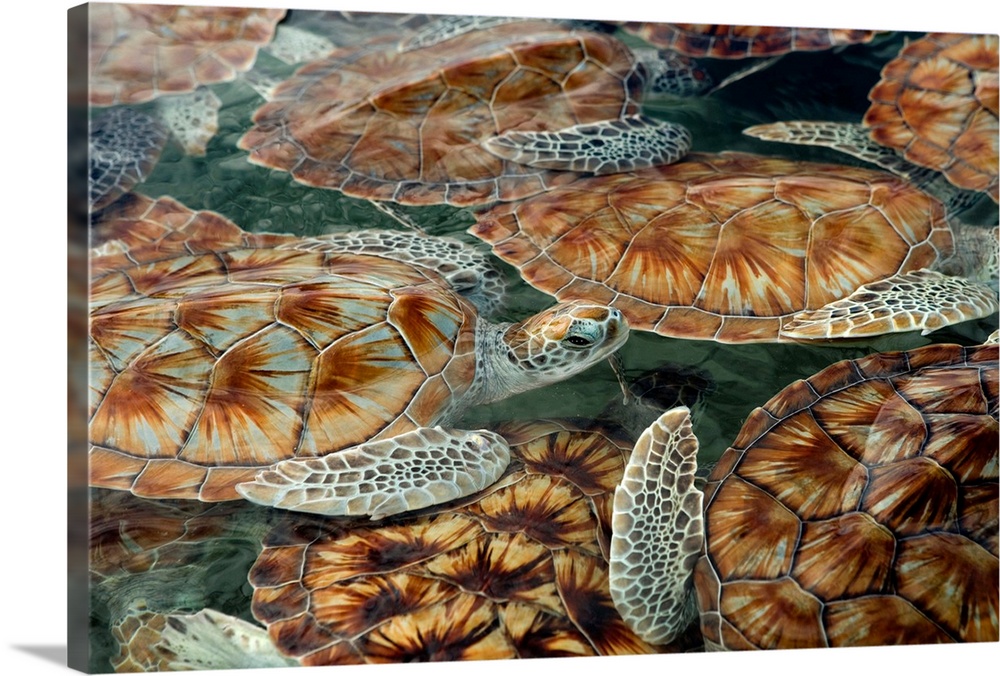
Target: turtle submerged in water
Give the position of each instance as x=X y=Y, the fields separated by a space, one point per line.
x=492 y=114
x=216 y=353
x=520 y=569
x=857 y=507
x=735 y=247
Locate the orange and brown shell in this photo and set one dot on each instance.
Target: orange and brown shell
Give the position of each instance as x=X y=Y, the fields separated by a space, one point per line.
x=140 y=52
x=719 y=247
x=736 y=42
x=408 y=126
x=859 y=507
x=215 y=353
x=519 y=570
x=937 y=104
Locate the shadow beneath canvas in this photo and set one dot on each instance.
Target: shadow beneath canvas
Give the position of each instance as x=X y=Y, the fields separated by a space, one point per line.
x=50 y=653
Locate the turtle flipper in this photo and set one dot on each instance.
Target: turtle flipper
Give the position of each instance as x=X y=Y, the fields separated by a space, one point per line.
x=209 y=639
x=468 y=270
x=192 y=118
x=856 y=140
x=922 y=300
x=606 y=147
x=417 y=469
x=657 y=530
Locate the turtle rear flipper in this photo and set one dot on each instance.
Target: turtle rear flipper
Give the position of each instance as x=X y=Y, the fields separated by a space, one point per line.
x=606 y=147
x=922 y=300
x=416 y=469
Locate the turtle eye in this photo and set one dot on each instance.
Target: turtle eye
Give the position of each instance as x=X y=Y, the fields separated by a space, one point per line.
x=579 y=341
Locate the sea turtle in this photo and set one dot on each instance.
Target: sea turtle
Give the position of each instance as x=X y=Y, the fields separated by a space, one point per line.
x=517 y=570
x=723 y=41
x=667 y=71
x=856 y=507
x=141 y=53
x=470 y=120
x=736 y=247
x=935 y=107
x=216 y=353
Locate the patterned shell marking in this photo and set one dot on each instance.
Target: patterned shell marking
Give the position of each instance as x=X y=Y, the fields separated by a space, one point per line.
x=937 y=104
x=719 y=247
x=214 y=353
x=859 y=507
x=140 y=52
x=519 y=570
x=407 y=126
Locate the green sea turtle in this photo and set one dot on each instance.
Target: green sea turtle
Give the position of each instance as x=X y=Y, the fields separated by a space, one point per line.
x=722 y=41
x=933 y=114
x=517 y=570
x=217 y=353
x=856 y=507
x=735 y=247
x=491 y=114
x=169 y=55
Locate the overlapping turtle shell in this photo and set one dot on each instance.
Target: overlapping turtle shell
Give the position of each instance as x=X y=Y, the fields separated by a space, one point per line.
x=859 y=507
x=719 y=247
x=140 y=52
x=215 y=353
x=408 y=126
x=519 y=570
x=736 y=42
x=148 y=558
x=937 y=104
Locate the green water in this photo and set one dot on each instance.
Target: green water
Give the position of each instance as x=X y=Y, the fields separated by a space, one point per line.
x=829 y=85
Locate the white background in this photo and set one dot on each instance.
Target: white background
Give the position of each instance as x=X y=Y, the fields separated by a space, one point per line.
x=32 y=251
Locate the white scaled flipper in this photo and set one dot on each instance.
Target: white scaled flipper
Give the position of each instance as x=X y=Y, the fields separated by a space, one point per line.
x=922 y=300
x=211 y=640
x=192 y=118
x=417 y=469
x=607 y=147
x=658 y=531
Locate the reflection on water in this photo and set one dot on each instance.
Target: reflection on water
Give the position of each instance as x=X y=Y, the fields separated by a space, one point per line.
x=177 y=555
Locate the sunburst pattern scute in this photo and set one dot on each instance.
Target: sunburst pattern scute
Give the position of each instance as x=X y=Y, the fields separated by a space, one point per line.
x=919 y=512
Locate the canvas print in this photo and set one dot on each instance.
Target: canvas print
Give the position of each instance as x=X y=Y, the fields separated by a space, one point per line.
x=418 y=337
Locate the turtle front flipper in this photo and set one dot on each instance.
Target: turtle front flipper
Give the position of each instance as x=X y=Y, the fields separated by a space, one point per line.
x=923 y=300
x=657 y=531
x=606 y=147
x=417 y=469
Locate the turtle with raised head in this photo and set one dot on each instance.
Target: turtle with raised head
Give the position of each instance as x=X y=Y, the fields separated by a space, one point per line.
x=735 y=247
x=489 y=115
x=517 y=570
x=856 y=507
x=216 y=353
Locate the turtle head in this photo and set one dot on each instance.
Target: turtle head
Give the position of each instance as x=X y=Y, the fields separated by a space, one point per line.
x=669 y=72
x=556 y=344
